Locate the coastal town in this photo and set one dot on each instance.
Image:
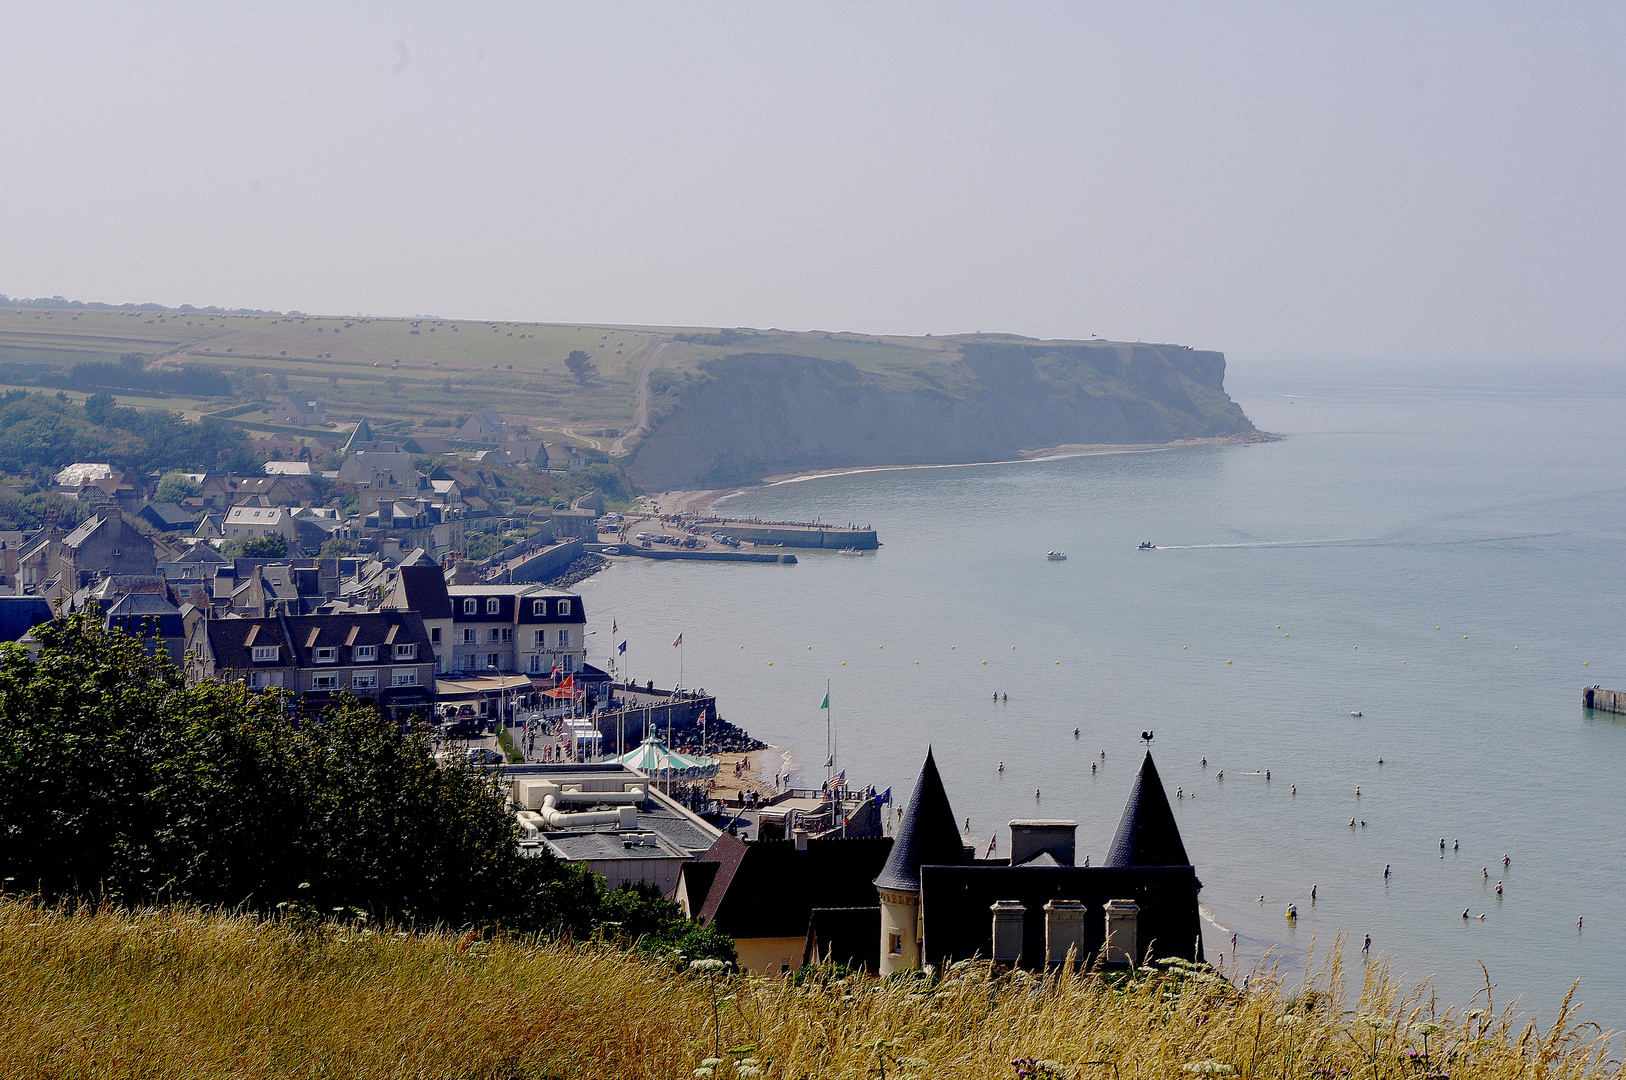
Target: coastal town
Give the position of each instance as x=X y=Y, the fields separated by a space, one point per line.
x=371 y=595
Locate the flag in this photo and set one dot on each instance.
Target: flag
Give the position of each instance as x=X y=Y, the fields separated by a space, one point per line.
x=825 y=704
x=558 y=669
x=838 y=781
x=622 y=647
x=884 y=797
x=569 y=683
x=678 y=642
x=612 y=626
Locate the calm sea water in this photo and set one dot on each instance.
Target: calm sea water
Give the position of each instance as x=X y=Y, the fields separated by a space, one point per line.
x=1437 y=549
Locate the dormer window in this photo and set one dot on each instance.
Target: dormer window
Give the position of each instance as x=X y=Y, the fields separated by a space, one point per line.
x=407 y=651
x=564 y=607
x=493 y=605
x=267 y=654
x=327 y=654
x=539 y=607
x=470 y=606
x=365 y=653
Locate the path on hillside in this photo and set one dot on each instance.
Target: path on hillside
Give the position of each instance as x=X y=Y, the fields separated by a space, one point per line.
x=618 y=447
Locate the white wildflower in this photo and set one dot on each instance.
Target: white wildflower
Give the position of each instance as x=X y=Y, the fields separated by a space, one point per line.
x=1290 y=1020
x=711 y=1063
x=1207 y=1068
x=703 y=1074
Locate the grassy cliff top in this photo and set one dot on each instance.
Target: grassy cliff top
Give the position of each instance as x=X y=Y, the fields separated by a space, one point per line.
x=184 y=993
x=432 y=370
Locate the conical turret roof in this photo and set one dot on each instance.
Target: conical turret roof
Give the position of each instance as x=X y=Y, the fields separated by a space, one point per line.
x=362 y=434
x=927 y=836
x=1147 y=834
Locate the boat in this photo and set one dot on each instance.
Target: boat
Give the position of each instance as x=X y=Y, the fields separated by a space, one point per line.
x=1056 y=556
x=1357 y=712
x=1147 y=545
x=849 y=551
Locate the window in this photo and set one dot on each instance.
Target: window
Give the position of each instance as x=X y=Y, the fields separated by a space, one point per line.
x=468 y=635
x=407 y=651
x=539 y=607
x=536 y=662
x=327 y=654
x=539 y=639
x=267 y=654
x=405 y=678
x=365 y=653
x=434 y=635
x=368 y=681
x=326 y=682
x=894 y=944
x=492 y=635
x=470 y=606
x=491 y=659
x=508 y=633
x=564 y=607
x=493 y=605
x=570 y=663
x=564 y=639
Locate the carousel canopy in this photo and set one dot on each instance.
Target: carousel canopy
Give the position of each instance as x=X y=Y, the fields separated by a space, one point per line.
x=652 y=757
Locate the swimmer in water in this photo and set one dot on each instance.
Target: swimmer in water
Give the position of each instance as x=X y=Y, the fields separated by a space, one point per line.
x=1386 y=870
x=1352 y=823
x=1103 y=755
x=1075 y=733
x=1220 y=775
x=1380 y=761
x=1578 y=919
x=1455 y=844
x=1267 y=774
x=1357 y=793
x=1092 y=768
x=1363 y=823
x=1486 y=873
x=1498 y=888
x=1442 y=843
x=1506 y=862
x=1295 y=790
x=1035 y=794
x=1205 y=763
x=1480 y=916
x=1464 y=913
x=1001 y=766
x=1312 y=894
x=1179 y=793
x=1368 y=946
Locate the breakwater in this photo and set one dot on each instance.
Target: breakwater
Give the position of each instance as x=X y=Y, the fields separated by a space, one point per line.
x=1607 y=700
x=699 y=556
x=793 y=535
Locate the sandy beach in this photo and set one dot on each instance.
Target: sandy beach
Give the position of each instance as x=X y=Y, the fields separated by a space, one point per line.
x=701 y=501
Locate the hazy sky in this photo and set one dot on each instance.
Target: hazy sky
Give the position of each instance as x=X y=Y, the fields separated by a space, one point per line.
x=1306 y=180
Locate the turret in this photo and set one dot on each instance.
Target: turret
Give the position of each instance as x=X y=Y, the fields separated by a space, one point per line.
x=927 y=836
x=1147 y=834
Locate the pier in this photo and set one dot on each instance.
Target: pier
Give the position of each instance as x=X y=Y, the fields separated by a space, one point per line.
x=791 y=534
x=1606 y=700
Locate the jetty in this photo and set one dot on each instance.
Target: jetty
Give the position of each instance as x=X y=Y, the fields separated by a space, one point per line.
x=791 y=534
x=1606 y=700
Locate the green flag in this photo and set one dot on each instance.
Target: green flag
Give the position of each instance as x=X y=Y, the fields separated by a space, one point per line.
x=825 y=704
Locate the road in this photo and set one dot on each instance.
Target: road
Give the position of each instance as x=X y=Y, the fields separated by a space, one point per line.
x=618 y=447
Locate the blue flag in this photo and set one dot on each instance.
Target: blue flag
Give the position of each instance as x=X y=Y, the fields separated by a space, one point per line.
x=622 y=647
x=884 y=797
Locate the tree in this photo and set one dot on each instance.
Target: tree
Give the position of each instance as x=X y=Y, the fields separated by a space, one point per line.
x=122 y=783
x=270 y=546
x=581 y=365
x=176 y=486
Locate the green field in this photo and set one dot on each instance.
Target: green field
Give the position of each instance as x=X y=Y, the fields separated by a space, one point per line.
x=432 y=372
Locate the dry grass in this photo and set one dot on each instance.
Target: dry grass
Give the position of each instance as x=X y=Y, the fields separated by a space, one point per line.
x=180 y=993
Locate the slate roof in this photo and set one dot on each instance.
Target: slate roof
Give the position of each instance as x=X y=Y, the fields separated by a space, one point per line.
x=20 y=614
x=927 y=836
x=231 y=641
x=1147 y=834
x=769 y=889
x=423 y=587
x=167 y=515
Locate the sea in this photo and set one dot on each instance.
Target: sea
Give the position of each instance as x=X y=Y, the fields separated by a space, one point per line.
x=1386 y=617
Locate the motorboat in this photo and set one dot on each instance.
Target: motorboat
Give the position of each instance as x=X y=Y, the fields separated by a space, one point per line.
x=849 y=551
x=1056 y=556
x=1357 y=712
x=1147 y=545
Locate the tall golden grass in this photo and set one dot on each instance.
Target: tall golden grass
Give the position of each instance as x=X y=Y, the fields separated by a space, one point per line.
x=187 y=993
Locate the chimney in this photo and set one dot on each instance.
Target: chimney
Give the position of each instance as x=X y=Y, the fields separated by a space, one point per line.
x=1008 y=918
x=1031 y=836
x=1063 y=931
x=1122 y=918
x=800 y=836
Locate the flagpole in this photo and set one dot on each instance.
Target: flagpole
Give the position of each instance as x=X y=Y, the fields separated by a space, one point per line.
x=829 y=747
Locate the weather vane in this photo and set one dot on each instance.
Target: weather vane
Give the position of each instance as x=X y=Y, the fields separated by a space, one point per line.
x=1146 y=737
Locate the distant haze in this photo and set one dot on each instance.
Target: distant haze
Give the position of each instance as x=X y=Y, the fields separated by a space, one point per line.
x=1293 y=182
